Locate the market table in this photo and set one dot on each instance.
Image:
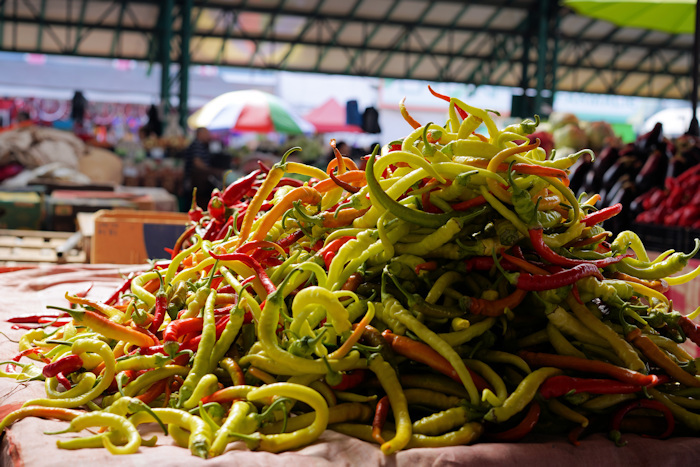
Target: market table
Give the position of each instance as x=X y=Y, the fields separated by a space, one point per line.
x=29 y=290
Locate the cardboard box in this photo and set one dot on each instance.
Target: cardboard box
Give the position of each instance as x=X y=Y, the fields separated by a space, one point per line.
x=132 y=237
x=64 y=205
x=21 y=210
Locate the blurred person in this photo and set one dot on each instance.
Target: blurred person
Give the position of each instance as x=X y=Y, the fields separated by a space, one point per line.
x=198 y=169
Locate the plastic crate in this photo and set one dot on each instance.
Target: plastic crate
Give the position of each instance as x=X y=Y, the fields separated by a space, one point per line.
x=662 y=237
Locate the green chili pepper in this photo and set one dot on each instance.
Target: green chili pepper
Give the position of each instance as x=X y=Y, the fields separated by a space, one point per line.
x=671 y=265
x=522 y=395
x=206 y=345
x=407 y=214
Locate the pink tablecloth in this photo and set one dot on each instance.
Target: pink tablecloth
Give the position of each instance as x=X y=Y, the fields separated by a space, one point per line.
x=30 y=290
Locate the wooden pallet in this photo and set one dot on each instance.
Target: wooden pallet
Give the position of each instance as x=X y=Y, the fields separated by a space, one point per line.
x=34 y=246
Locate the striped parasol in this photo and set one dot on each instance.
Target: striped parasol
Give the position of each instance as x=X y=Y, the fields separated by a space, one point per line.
x=249 y=110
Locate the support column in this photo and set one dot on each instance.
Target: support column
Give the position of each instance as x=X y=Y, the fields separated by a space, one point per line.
x=165 y=27
x=542 y=43
x=185 y=35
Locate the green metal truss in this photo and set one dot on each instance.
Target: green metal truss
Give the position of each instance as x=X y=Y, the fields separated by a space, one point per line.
x=534 y=45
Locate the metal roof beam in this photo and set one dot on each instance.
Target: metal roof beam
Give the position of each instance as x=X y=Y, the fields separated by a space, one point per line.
x=369 y=36
x=268 y=32
x=438 y=38
x=503 y=42
x=304 y=30
x=118 y=29
x=408 y=31
x=335 y=35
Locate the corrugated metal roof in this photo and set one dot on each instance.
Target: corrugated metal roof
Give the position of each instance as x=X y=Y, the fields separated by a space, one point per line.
x=478 y=42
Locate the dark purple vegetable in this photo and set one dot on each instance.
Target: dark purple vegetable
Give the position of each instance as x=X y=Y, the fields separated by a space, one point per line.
x=626 y=165
x=578 y=173
x=650 y=140
x=653 y=172
x=603 y=161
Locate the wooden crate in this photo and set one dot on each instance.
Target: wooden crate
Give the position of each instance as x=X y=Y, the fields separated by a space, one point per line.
x=35 y=246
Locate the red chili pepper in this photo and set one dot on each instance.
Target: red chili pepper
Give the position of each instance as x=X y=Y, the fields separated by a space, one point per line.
x=251 y=248
x=154 y=391
x=290 y=239
x=227 y=288
x=195 y=213
x=159 y=311
x=351 y=379
x=574 y=435
x=558 y=386
x=181 y=239
x=597 y=238
x=427 y=205
x=289 y=181
x=470 y=203
x=380 y=415
x=126 y=285
x=35 y=318
x=66 y=365
x=588 y=366
x=484 y=307
x=461 y=112
x=329 y=251
x=263 y=167
x=236 y=190
x=425 y=354
x=353 y=282
x=193 y=343
x=602 y=215
x=344 y=185
x=651 y=404
x=216 y=207
x=547 y=254
x=427 y=266
x=690 y=329
x=228 y=394
x=521 y=429
x=251 y=263
x=63 y=379
x=224 y=229
x=533 y=282
x=33 y=350
x=485 y=263
x=212 y=229
x=179 y=327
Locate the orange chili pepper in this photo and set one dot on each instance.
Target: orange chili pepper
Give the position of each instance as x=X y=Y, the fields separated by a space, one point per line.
x=660 y=358
x=154 y=391
x=344 y=217
x=425 y=354
x=304 y=194
x=39 y=411
x=352 y=176
x=112 y=330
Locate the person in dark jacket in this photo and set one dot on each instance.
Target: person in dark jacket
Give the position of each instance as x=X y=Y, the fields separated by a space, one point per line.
x=198 y=169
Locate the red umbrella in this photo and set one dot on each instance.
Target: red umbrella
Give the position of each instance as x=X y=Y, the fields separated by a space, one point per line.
x=330 y=117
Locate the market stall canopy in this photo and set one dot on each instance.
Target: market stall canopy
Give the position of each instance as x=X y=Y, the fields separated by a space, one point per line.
x=249 y=111
x=331 y=117
x=670 y=16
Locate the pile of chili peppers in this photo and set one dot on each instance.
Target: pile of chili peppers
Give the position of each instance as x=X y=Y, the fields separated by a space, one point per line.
x=453 y=290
